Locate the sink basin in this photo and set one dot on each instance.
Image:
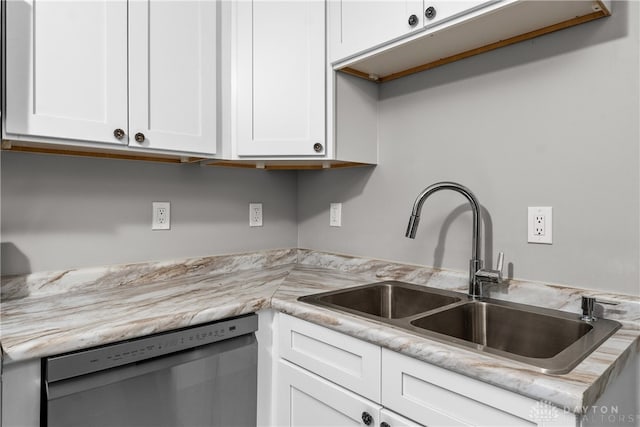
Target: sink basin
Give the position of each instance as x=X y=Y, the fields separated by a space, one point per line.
x=502 y=328
x=388 y=300
x=550 y=340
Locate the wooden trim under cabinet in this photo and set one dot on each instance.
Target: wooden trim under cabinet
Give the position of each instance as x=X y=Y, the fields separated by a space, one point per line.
x=286 y=164
x=105 y=153
x=126 y=154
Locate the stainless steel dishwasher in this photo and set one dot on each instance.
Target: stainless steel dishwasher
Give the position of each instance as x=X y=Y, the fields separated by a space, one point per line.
x=198 y=376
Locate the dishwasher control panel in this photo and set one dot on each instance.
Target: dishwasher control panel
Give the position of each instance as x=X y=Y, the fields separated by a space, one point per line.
x=112 y=355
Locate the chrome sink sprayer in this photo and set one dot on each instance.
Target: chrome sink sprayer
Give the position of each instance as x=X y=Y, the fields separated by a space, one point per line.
x=589 y=305
x=478 y=277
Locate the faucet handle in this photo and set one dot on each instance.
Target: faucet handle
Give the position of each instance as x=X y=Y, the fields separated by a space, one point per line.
x=486 y=277
x=500 y=264
x=494 y=276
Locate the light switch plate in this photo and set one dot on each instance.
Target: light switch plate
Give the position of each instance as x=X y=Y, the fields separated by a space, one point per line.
x=335 y=215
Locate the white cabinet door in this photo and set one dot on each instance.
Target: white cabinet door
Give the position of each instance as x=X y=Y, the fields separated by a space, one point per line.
x=280 y=77
x=304 y=399
x=359 y=25
x=172 y=75
x=439 y=11
x=356 y=25
x=395 y=420
x=66 y=74
x=437 y=397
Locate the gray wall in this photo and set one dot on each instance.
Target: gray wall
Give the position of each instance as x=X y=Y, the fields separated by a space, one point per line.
x=64 y=212
x=548 y=122
x=552 y=121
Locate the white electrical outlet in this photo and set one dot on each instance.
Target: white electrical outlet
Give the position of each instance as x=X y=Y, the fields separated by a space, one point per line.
x=255 y=214
x=161 y=216
x=540 y=225
x=335 y=215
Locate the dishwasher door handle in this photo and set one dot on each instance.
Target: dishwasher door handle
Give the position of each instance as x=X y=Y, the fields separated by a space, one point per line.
x=98 y=379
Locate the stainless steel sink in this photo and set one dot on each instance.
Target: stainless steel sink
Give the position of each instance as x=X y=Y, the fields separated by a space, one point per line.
x=387 y=300
x=552 y=341
x=515 y=331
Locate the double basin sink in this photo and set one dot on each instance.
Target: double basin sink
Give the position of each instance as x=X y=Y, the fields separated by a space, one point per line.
x=552 y=341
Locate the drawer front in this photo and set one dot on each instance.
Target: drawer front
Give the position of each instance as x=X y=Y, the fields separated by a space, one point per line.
x=437 y=397
x=347 y=361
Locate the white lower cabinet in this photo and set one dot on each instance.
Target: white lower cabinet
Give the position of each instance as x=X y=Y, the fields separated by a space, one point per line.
x=305 y=399
x=327 y=378
x=348 y=361
x=437 y=397
x=391 y=419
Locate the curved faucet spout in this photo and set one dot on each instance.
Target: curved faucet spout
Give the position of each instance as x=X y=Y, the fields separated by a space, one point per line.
x=414 y=220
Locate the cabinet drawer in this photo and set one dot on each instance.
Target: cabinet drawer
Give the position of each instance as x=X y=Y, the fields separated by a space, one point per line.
x=345 y=360
x=437 y=397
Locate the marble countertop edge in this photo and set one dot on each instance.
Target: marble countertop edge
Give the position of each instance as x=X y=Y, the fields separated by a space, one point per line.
x=57 y=312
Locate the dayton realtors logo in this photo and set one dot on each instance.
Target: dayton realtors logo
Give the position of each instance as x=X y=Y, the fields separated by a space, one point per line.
x=545 y=413
x=603 y=415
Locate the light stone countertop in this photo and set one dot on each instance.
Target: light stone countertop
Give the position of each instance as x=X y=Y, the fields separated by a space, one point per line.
x=50 y=313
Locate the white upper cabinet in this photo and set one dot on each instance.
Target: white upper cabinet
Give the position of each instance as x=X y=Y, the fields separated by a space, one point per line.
x=140 y=73
x=438 y=11
x=66 y=74
x=231 y=80
x=356 y=25
x=280 y=78
x=172 y=75
x=385 y=40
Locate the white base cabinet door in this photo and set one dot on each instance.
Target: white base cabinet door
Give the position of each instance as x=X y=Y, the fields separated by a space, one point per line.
x=66 y=72
x=305 y=399
x=391 y=419
x=437 y=397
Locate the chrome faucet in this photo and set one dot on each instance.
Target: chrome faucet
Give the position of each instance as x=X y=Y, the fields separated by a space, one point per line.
x=478 y=277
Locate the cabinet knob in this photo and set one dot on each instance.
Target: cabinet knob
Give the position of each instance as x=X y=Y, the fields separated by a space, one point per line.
x=384 y=424
x=118 y=133
x=413 y=20
x=367 y=419
x=317 y=147
x=139 y=137
x=430 y=13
